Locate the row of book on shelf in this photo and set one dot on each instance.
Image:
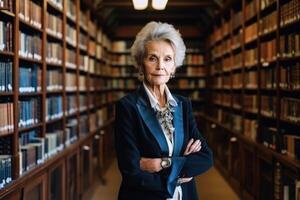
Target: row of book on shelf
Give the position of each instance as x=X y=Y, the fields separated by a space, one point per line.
x=6 y=36
x=31 y=12
x=286 y=186
x=30 y=111
x=289 y=78
x=35 y=150
x=290 y=140
x=290 y=107
x=289 y=13
x=7 y=5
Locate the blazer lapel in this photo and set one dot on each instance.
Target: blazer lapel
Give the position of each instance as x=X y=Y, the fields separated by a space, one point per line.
x=178 y=124
x=149 y=117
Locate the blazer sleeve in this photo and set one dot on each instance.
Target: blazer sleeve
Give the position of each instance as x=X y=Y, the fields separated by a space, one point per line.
x=199 y=162
x=128 y=154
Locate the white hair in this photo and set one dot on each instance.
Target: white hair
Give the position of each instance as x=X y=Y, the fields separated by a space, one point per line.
x=154 y=31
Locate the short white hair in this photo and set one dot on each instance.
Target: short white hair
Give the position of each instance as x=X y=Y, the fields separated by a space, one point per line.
x=154 y=31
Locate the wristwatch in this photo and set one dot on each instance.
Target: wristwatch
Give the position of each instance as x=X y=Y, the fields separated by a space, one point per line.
x=165 y=162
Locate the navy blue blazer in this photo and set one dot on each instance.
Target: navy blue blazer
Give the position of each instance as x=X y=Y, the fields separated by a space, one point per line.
x=139 y=134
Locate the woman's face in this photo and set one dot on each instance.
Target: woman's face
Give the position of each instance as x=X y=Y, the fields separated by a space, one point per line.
x=159 y=62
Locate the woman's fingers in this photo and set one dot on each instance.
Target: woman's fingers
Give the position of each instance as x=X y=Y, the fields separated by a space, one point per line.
x=193 y=146
x=184 y=180
x=186 y=152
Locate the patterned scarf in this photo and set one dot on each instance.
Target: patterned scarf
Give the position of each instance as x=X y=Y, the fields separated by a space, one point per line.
x=165 y=118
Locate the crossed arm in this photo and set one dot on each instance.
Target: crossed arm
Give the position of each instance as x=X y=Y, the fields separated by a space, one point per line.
x=152 y=165
x=141 y=173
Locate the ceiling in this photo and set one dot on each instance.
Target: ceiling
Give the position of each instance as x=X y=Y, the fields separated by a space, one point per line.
x=191 y=17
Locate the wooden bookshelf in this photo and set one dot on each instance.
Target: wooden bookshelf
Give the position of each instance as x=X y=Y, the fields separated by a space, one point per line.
x=258 y=114
x=63 y=98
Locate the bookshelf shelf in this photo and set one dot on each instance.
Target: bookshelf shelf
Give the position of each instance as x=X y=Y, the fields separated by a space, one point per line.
x=54 y=65
x=54 y=37
x=83 y=50
x=288 y=122
x=287 y=59
x=53 y=6
x=29 y=94
x=251 y=43
x=26 y=24
x=71 y=20
x=72 y=115
x=267 y=9
x=6 y=94
x=30 y=60
x=54 y=92
x=71 y=45
x=251 y=20
x=267 y=35
x=236 y=29
x=52 y=121
x=236 y=49
x=7 y=13
x=266 y=64
x=7 y=53
x=26 y=129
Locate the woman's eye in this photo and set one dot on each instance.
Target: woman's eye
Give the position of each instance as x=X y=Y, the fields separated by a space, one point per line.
x=168 y=59
x=152 y=59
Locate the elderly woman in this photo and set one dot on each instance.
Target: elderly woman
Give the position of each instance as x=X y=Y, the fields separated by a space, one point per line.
x=159 y=148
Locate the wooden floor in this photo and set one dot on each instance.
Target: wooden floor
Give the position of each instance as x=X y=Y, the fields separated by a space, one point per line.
x=210 y=186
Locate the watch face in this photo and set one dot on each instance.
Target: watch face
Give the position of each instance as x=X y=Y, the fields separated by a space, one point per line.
x=165 y=163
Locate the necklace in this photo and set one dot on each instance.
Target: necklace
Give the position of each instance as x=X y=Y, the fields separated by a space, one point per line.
x=165 y=118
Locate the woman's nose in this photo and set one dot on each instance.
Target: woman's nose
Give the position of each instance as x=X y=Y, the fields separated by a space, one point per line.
x=160 y=65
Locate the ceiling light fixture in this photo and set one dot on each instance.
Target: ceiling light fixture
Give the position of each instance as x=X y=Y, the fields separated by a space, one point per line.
x=143 y=4
x=159 y=4
x=140 y=4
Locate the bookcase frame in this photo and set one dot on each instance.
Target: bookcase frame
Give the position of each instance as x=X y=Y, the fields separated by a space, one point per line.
x=260 y=153
x=19 y=183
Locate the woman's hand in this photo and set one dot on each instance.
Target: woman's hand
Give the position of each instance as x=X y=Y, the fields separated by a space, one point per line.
x=184 y=180
x=150 y=164
x=192 y=147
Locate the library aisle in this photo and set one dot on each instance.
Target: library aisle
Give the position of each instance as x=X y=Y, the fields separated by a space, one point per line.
x=65 y=63
x=210 y=185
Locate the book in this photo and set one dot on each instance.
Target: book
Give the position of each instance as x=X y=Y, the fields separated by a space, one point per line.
x=289 y=12
x=5 y=170
x=54 y=53
x=54 y=109
x=6 y=5
x=6 y=36
x=30 y=112
x=31 y=12
x=71 y=104
x=71 y=85
x=54 y=24
x=290 y=109
x=71 y=9
x=54 y=80
x=70 y=59
x=6 y=68
x=268 y=106
x=30 y=78
x=7 y=118
x=30 y=45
